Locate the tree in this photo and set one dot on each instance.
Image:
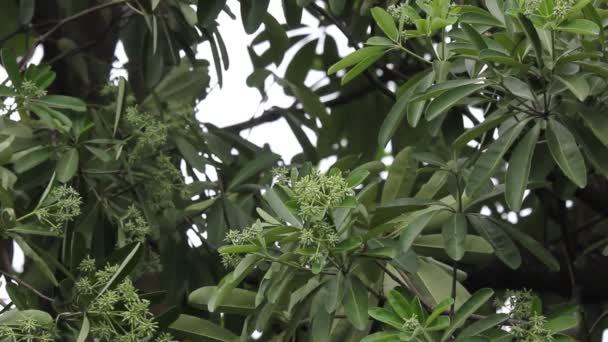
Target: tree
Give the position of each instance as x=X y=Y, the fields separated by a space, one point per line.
x=488 y=224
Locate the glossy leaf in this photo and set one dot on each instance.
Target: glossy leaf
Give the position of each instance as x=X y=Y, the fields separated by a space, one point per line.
x=490 y=160
x=454 y=232
x=519 y=168
x=504 y=248
x=476 y=301
x=449 y=99
x=355 y=302
x=566 y=153
x=386 y=23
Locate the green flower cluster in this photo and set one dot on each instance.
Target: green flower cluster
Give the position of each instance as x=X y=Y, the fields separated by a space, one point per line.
x=533 y=330
x=313 y=195
x=412 y=325
x=165 y=179
x=316 y=193
x=31 y=90
x=149 y=132
x=61 y=206
x=117 y=314
x=134 y=226
x=235 y=237
x=529 y=326
x=27 y=330
x=560 y=8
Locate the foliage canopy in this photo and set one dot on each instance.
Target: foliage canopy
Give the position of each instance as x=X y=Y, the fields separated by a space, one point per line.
x=488 y=223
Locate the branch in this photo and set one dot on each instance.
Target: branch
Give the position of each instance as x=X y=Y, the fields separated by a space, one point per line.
x=272 y=114
x=24 y=284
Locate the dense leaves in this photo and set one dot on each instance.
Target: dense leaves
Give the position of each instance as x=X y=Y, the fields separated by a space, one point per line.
x=451 y=184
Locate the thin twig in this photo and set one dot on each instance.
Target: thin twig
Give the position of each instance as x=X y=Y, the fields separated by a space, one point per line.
x=24 y=284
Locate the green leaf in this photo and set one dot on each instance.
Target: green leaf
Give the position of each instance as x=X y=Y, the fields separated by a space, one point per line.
x=474 y=37
x=565 y=321
x=386 y=23
x=597 y=122
x=580 y=26
x=360 y=67
x=518 y=88
x=41 y=264
x=379 y=41
x=519 y=169
x=411 y=232
x=488 y=162
x=486 y=125
x=231 y=280
x=238 y=301
x=253 y=13
x=532 y=35
x=9 y=61
x=124 y=268
x=484 y=324
x=534 y=247
x=46 y=191
x=472 y=243
x=355 y=302
x=355 y=57
x=280 y=208
x=504 y=248
x=444 y=86
x=26 y=11
x=400 y=108
x=84 y=330
x=62 y=102
x=600 y=68
x=399 y=304
x=434 y=283
x=335 y=292
x=577 y=84
x=120 y=103
x=565 y=152
x=450 y=98
x=208 y=10
x=67 y=165
x=473 y=304
x=190 y=154
x=401 y=176
x=454 y=233
x=7 y=91
x=383 y=336
x=438 y=310
x=386 y=317
x=260 y=163
x=238 y=249
x=198 y=329
x=356 y=177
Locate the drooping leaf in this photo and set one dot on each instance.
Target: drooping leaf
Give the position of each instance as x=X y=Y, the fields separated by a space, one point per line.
x=473 y=304
x=198 y=329
x=67 y=165
x=519 y=168
x=454 y=232
x=401 y=176
x=355 y=302
x=504 y=248
x=566 y=153
x=486 y=165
